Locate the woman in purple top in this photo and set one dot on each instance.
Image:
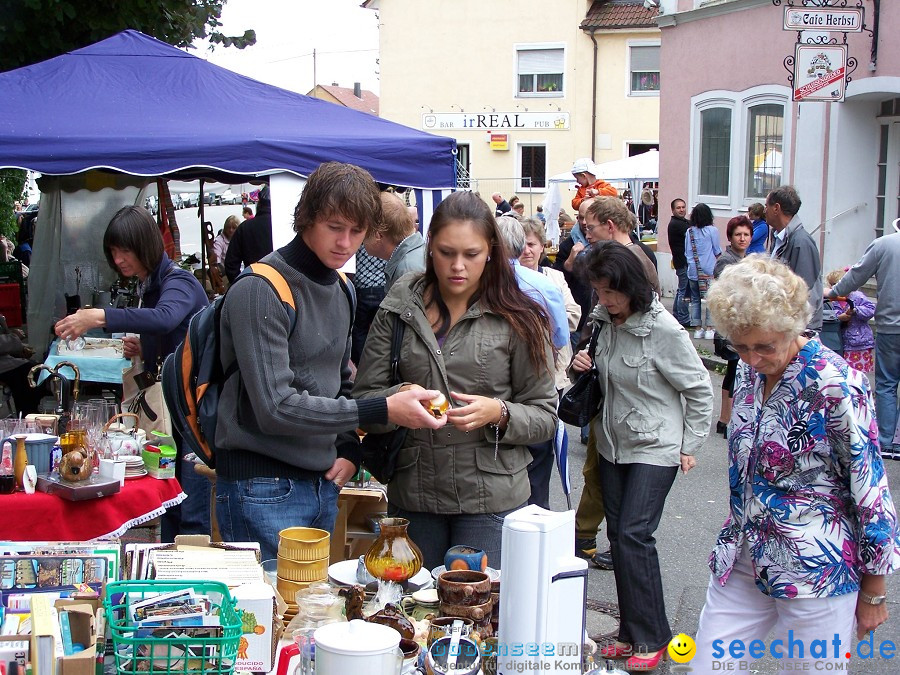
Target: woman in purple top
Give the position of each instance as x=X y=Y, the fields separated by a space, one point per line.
x=811 y=529
x=701 y=246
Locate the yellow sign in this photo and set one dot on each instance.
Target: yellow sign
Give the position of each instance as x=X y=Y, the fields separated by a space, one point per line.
x=499 y=141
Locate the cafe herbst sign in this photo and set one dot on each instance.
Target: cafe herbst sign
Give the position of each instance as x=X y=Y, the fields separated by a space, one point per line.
x=822 y=19
x=521 y=121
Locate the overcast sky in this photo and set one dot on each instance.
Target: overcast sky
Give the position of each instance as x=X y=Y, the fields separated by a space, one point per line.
x=344 y=35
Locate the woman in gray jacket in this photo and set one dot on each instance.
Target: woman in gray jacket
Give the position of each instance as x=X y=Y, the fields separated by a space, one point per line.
x=472 y=334
x=655 y=415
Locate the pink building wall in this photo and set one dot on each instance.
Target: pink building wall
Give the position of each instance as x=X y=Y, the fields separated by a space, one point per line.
x=736 y=51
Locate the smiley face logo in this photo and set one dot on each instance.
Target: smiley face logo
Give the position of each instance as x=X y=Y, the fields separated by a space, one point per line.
x=682 y=648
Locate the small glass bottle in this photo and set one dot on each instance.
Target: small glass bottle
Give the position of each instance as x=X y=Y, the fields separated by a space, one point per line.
x=7 y=476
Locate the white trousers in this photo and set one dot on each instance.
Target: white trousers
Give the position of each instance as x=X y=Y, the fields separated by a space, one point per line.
x=740 y=611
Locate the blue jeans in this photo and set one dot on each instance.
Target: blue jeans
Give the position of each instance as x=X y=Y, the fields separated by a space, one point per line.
x=696 y=308
x=682 y=297
x=434 y=533
x=257 y=509
x=887 y=377
x=192 y=516
x=634 y=496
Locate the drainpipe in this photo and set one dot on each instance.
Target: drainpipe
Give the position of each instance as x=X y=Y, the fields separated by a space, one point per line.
x=594 y=97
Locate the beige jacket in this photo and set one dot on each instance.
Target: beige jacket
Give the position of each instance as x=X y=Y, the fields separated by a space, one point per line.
x=448 y=471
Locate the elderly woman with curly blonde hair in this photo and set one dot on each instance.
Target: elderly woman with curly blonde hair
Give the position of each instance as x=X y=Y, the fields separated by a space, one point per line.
x=811 y=530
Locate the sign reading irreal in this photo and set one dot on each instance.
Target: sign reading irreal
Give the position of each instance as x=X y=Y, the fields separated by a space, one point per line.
x=824 y=19
x=820 y=72
x=523 y=121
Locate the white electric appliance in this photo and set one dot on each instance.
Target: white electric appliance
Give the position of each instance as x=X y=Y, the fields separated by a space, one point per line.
x=543 y=590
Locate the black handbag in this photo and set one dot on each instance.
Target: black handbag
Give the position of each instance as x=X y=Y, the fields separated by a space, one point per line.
x=380 y=451
x=580 y=404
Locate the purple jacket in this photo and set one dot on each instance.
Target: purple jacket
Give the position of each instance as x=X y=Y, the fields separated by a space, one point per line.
x=857 y=333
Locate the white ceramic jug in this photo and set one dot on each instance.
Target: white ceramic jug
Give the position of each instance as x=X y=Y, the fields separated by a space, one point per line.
x=357 y=647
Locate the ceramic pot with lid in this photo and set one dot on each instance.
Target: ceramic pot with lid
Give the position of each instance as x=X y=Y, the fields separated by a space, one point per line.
x=357 y=647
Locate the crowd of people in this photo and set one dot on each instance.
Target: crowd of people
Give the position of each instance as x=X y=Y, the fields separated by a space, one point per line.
x=486 y=321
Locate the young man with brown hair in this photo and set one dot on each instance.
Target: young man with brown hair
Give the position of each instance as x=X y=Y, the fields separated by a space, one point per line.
x=286 y=429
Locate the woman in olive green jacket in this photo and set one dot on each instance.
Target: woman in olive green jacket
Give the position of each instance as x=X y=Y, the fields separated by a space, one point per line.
x=472 y=334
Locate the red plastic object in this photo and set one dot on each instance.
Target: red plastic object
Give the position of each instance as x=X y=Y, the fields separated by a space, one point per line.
x=11 y=304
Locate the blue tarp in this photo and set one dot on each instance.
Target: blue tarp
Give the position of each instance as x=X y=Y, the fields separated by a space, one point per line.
x=141 y=106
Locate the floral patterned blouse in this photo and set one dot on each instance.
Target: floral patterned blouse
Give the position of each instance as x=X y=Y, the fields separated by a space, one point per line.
x=809 y=497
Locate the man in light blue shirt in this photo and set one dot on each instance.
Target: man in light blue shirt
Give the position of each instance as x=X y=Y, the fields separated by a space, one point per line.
x=538 y=287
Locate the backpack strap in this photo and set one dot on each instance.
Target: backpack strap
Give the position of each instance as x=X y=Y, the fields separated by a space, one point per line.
x=279 y=285
x=350 y=292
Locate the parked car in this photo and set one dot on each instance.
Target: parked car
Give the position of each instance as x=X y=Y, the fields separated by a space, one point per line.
x=31 y=208
x=189 y=199
x=228 y=197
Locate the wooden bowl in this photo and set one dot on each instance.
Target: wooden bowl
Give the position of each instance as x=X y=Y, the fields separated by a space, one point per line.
x=296 y=570
x=303 y=543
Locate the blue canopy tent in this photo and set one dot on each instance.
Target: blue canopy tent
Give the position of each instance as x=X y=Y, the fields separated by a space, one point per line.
x=133 y=105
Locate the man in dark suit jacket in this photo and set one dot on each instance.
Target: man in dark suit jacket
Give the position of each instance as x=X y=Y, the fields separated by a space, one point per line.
x=252 y=239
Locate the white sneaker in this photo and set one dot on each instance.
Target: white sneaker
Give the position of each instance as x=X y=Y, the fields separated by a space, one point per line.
x=698 y=334
x=710 y=334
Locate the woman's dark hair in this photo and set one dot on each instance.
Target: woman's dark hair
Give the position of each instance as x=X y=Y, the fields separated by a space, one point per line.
x=133 y=229
x=701 y=215
x=498 y=290
x=612 y=262
x=756 y=211
x=735 y=223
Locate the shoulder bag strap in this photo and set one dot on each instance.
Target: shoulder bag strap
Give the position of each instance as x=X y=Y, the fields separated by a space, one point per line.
x=396 y=343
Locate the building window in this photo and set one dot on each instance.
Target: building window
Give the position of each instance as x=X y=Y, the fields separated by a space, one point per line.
x=540 y=71
x=533 y=167
x=715 y=151
x=765 y=130
x=644 y=67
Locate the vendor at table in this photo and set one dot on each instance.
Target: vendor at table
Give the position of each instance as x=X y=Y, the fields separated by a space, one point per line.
x=169 y=297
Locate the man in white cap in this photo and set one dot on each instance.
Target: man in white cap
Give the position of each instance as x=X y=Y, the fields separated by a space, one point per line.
x=589 y=186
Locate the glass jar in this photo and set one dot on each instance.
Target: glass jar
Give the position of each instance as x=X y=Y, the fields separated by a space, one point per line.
x=393 y=556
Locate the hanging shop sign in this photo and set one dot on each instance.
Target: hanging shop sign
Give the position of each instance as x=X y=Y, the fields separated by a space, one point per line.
x=521 y=121
x=844 y=20
x=820 y=72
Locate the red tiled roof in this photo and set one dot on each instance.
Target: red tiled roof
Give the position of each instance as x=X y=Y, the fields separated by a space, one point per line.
x=619 y=14
x=368 y=103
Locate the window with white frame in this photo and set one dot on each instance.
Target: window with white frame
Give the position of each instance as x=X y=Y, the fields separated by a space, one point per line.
x=740 y=143
x=765 y=137
x=644 y=69
x=540 y=70
x=715 y=151
x=533 y=167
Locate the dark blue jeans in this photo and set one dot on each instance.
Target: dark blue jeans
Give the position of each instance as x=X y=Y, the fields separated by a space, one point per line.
x=634 y=496
x=434 y=533
x=192 y=516
x=887 y=378
x=682 y=298
x=257 y=509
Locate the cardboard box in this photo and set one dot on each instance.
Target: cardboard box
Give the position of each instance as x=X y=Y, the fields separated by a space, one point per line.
x=260 y=630
x=81 y=623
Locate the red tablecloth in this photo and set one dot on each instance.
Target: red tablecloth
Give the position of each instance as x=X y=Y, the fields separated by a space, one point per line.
x=43 y=517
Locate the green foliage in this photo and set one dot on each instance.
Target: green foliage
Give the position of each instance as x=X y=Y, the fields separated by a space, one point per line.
x=12 y=187
x=35 y=30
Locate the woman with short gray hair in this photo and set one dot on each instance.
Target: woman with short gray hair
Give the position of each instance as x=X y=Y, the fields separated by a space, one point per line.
x=812 y=529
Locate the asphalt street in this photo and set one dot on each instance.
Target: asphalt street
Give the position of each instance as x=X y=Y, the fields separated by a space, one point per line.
x=694 y=513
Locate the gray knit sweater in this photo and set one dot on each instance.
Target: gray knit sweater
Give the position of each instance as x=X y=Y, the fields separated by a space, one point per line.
x=287 y=414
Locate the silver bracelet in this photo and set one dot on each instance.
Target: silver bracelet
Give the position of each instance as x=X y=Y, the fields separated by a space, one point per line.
x=504 y=414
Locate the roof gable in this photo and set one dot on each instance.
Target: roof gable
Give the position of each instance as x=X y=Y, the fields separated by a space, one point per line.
x=611 y=14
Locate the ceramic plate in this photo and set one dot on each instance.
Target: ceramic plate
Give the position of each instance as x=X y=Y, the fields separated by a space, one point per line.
x=129 y=476
x=490 y=571
x=344 y=573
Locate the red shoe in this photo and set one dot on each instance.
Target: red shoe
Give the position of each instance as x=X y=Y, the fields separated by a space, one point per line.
x=616 y=650
x=646 y=662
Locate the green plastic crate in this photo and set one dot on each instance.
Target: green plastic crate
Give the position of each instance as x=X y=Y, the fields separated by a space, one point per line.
x=140 y=655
